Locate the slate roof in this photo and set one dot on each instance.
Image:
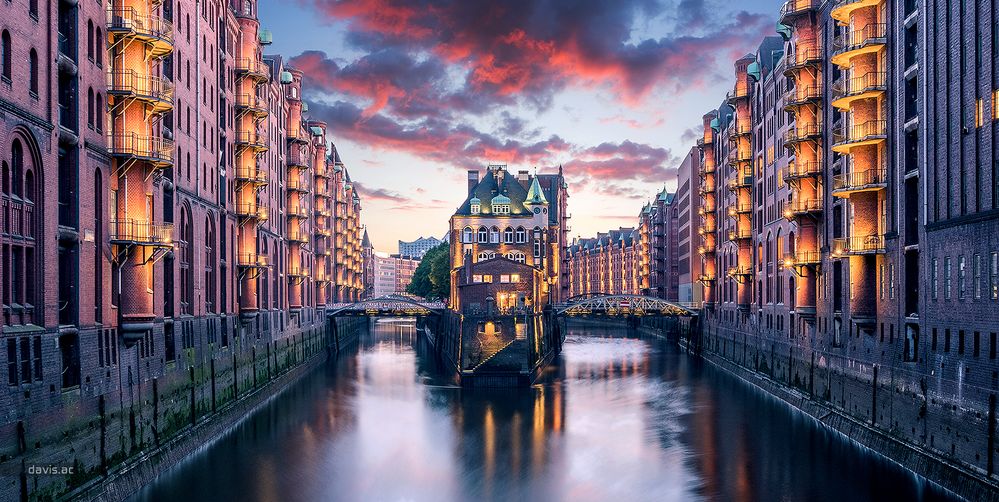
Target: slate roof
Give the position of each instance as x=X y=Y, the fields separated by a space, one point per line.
x=488 y=187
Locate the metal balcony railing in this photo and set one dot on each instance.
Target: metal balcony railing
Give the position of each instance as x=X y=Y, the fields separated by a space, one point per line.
x=153 y=149
x=802 y=169
x=298 y=160
x=127 y=22
x=253 y=68
x=802 y=258
x=868 y=244
x=295 y=184
x=297 y=211
x=793 y=8
x=740 y=182
x=253 y=139
x=252 y=103
x=740 y=208
x=802 y=94
x=802 y=132
x=298 y=236
x=857 y=180
x=145 y=87
x=140 y=232
x=740 y=233
x=859 y=133
x=799 y=207
x=740 y=271
x=871 y=34
x=854 y=86
x=251 y=211
x=252 y=175
x=740 y=129
x=252 y=260
x=801 y=57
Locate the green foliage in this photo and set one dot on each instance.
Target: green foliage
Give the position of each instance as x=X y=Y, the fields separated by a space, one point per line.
x=432 y=278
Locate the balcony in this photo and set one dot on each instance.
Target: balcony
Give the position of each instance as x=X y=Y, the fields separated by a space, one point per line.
x=298 y=236
x=867 y=133
x=252 y=175
x=140 y=233
x=740 y=233
x=740 y=182
x=706 y=248
x=802 y=207
x=706 y=228
x=705 y=278
x=323 y=173
x=802 y=95
x=252 y=211
x=707 y=188
x=740 y=208
x=707 y=168
x=154 y=91
x=297 y=135
x=802 y=169
x=870 y=244
x=860 y=181
x=867 y=40
x=869 y=85
x=794 y=8
x=154 y=31
x=801 y=132
x=252 y=260
x=297 y=212
x=741 y=91
x=706 y=209
x=802 y=258
x=253 y=68
x=841 y=12
x=737 y=156
x=295 y=272
x=739 y=130
x=296 y=160
x=295 y=184
x=251 y=103
x=131 y=146
x=740 y=273
x=802 y=57
x=253 y=140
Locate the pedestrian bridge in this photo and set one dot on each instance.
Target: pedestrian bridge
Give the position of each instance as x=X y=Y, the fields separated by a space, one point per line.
x=395 y=305
x=621 y=305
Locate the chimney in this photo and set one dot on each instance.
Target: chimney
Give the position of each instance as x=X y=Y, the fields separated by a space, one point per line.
x=523 y=178
x=473 y=179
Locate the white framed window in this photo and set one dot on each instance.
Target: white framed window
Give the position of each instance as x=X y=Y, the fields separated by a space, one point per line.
x=466 y=235
x=476 y=208
x=508 y=235
x=494 y=235
x=483 y=235
x=521 y=235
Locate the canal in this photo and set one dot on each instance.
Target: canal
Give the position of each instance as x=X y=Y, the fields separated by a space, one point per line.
x=620 y=417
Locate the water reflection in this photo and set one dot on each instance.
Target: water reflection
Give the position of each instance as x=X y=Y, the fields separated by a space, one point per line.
x=619 y=417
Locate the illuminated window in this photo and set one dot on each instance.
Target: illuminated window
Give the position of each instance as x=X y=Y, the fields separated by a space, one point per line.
x=504 y=278
x=979 y=112
x=994 y=276
x=514 y=278
x=995 y=102
x=477 y=278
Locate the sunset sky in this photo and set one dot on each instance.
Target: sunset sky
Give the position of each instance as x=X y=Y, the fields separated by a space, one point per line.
x=417 y=92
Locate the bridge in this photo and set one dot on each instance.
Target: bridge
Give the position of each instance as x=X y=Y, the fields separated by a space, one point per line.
x=394 y=305
x=614 y=305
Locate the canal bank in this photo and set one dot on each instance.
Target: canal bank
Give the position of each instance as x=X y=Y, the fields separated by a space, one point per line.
x=618 y=416
x=133 y=437
x=791 y=378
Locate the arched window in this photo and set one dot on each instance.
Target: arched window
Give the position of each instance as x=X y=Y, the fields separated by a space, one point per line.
x=5 y=182
x=33 y=8
x=99 y=112
x=17 y=167
x=90 y=40
x=210 y=259
x=33 y=72
x=521 y=235
x=494 y=235
x=99 y=46
x=5 y=48
x=90 y=107
x=483 y=234
x=508 y=235
x=466 y=235
x=186 y=265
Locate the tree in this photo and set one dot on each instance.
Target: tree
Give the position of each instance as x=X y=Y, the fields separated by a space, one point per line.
x=432 y=278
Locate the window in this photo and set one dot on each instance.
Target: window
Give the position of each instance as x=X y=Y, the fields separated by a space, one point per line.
x=891 y=281
x=99 y=46
x=33 y=8
x=995 y=102
x=90 y=108
x=934 y=279
x=99 y=110
x=961 y=273
x=514 y=278
x=508 y=235
x=977 y=277
x=90 y=40
x=521 y=235
x=994 y=276
x=504 y=279
x=476 y=207
x=483 y=235
x=486 y=255
x=33 y=73
x=979 y=112
x=5 y=48
x=947 y=278
x=501 y=208
x=494 y=235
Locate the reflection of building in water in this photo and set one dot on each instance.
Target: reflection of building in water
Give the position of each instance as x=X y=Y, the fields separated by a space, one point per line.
x=504 y=434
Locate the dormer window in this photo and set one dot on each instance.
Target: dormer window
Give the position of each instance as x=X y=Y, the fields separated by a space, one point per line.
x=501 y=208
x=475 y=206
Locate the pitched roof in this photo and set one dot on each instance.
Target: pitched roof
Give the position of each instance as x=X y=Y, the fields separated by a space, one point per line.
x=492 y=185
x=535 y=195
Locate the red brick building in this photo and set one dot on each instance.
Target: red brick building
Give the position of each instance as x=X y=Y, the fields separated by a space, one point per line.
x=608 y=263
x=167 y=201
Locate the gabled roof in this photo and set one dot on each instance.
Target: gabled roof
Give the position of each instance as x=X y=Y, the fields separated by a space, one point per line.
x=535 y=195
x=491 y=186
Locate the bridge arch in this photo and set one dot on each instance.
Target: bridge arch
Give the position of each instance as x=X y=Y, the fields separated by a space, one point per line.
x=388 y=305
x=621 y=304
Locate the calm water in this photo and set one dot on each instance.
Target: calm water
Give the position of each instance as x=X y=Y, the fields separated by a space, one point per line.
x=620 y=417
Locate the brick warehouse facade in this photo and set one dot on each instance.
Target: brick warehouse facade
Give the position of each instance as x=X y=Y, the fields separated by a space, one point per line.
x=850 y=239
x=168 y=206
x=637 y=261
